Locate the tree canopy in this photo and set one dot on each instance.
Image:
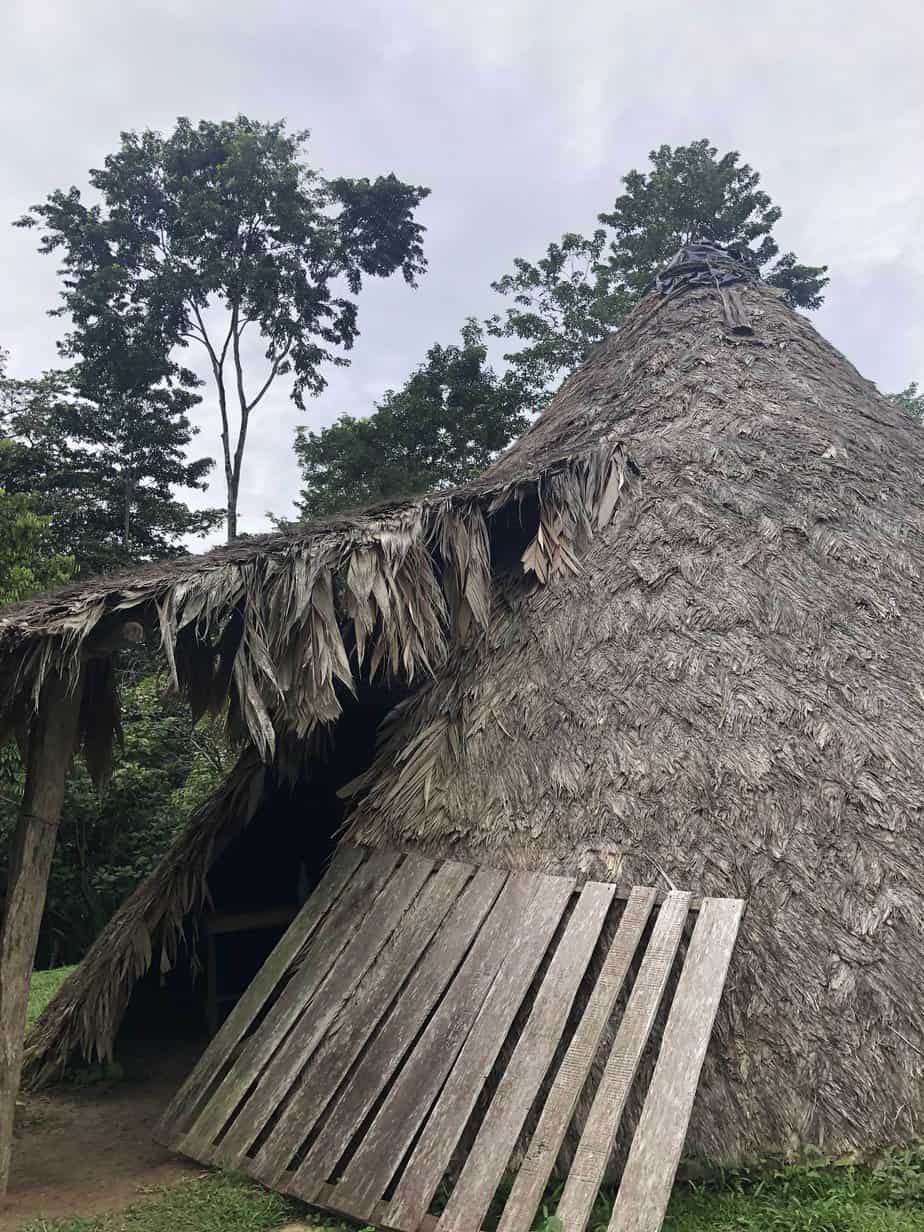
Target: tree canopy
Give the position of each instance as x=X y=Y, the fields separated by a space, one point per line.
x=28 y=562
x=222 y=227
x=584 y=285
x=444 y=425
x=104 y=469
x=910 y=400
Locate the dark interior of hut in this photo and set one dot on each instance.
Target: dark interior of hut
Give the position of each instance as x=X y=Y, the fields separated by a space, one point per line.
x=258 y=884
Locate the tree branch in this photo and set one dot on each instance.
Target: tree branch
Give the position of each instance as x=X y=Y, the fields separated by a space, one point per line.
x=272 y=376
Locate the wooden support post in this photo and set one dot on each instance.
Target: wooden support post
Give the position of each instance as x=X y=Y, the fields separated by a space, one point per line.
x=52 y=741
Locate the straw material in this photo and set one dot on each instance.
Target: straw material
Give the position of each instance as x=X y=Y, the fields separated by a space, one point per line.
x=721 y=684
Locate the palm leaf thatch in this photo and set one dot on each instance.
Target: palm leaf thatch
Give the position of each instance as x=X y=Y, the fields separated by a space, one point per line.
x=731 y=694
x=722 y=682
x=275 y=629
x=271 y=626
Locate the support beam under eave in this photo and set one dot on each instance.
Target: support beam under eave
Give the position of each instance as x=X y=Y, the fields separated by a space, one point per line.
x=52 y=742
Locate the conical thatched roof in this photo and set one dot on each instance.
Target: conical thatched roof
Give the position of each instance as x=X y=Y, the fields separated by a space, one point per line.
x=731 y=695
x=725 y=690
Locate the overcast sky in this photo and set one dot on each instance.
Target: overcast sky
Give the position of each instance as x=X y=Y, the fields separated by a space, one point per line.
x=520 y=115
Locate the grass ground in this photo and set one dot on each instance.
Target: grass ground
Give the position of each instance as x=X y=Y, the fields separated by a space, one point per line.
x=44 y=986
x=803 y=1198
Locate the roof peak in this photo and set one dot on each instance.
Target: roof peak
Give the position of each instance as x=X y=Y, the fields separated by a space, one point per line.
x=705 y=265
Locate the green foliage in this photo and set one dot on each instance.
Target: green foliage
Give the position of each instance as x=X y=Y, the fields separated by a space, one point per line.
x=103 y=468
x=584 y=286
x=804 y=1198
x=228 y=216
x=441 y=428
x=216 y=1203
x=27 y=560
x=43 y=986
x=691 y=195
x=910 y=400
x=563 y=304
x=108 y=843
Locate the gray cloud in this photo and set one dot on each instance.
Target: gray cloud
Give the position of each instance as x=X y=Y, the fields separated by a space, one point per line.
x=521 y=116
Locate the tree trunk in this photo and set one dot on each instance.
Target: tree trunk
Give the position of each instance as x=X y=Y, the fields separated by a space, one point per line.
x=127 y=513
x=232 y=512
x=51 y=746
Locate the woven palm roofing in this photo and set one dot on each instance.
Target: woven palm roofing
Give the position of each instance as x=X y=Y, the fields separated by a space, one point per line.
x=722 y=685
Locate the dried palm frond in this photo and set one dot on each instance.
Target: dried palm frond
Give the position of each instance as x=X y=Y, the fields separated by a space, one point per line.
x=260 y=624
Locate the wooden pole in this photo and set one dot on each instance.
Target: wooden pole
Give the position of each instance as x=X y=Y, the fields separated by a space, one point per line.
x=52 y=741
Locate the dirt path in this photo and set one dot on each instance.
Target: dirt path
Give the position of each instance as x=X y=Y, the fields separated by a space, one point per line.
x=88 y=1151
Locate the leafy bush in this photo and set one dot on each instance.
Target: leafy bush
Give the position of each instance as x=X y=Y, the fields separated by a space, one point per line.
x=108 y=842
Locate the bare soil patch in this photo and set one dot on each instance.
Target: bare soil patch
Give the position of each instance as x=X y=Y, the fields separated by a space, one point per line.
x=88 y=1150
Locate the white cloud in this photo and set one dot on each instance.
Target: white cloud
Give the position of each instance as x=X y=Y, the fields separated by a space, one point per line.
x=521 y=116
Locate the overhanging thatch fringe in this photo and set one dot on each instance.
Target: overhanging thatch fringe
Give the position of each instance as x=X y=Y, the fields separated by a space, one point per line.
x=274 y=626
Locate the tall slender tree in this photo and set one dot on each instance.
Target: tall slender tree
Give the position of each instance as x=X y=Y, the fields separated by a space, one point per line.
x=221 y=228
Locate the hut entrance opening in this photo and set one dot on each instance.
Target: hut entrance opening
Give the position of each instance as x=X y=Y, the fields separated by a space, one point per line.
x=257 y=885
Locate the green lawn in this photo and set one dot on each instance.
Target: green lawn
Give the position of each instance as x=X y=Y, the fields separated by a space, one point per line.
x=44 y=986
x=798 y=1199
x=804 y=1198
x=211 y=1204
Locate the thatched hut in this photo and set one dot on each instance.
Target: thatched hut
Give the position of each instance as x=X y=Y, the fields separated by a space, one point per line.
x=673 y=633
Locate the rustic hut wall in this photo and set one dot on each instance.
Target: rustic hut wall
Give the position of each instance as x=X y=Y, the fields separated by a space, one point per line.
x=731 y=692
x=726 y=689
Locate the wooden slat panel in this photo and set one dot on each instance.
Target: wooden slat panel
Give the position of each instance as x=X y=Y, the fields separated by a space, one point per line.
x=410 y=1099
x=525 y=950
x=320 y=1012
x=596 y=1144
x=487 y=1161
x=533 y=1175
x=336 y=1054
x=181 y=1108
x=398 y=985
x=402 y=1024
x=655 y=1152
x=335 y=932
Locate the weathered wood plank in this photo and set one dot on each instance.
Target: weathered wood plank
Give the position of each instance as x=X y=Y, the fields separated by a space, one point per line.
x=321 y=1011
x=534 y=1172
x=339 y=926
x=418 y=1084
x=482 y=1172
x=183 y=1106
x=655 y=1152
x=596 y=1144
x=400 y=1027
x=525 y=950
x=337 y=1052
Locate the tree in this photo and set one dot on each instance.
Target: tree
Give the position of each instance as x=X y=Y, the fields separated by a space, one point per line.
x=222 y=227
x=103 y=468
x=910 y=400
x=109 y=841
x=583 y=287
x=441 y=428
x=27 y=561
